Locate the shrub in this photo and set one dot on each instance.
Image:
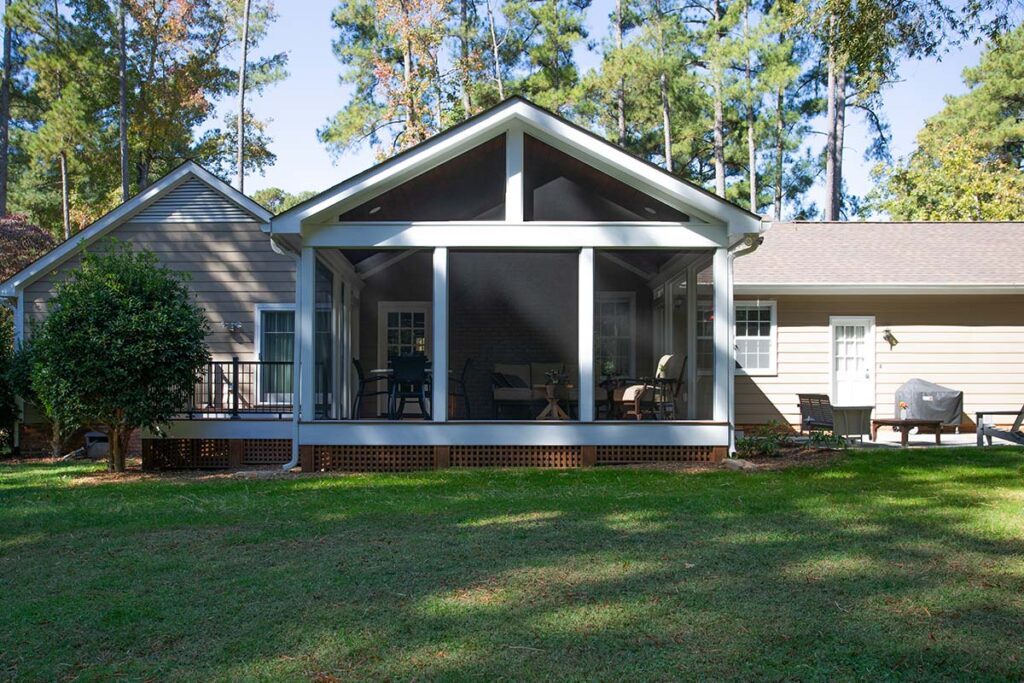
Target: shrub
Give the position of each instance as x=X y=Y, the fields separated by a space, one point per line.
x=764 y=440
x=122 y=346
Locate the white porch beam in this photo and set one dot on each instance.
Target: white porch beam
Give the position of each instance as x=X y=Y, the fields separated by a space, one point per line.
x=723 y=354
x=304 y=322
x=514 y=186
x=586 y=335
x=530 y=234
x=439 y=362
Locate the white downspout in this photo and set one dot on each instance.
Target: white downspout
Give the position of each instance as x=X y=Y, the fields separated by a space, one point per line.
x=296 y=357
x=748 y=245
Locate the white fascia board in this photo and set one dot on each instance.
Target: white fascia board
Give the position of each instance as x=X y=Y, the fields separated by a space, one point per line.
x=711 y=207
x=600 y=153
x=839 y=289
x=101 y=227
x=530 y=235
x=394 y=171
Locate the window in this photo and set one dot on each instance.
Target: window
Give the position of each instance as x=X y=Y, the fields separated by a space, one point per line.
x=615 y=334
x=275 y=346
x=756 y=337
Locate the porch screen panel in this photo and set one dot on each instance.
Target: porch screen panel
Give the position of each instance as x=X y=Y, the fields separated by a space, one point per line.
x=323 y=345
x=277 y=346
x=513 y=316
x=705 y=390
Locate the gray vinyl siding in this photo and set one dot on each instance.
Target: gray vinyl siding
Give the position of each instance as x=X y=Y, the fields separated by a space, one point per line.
x=231 y=269
x=193 y=201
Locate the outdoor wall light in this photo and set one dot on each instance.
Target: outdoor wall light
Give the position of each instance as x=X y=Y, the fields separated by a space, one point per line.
x=889 y=337
x=232 y=327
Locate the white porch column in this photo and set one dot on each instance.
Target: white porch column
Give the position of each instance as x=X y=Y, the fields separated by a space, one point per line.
x=304 y=322
x=586 y=335
x=514 y=175
x=439 y=362
x=346 y=351
x=691 y=342
x=723 y=352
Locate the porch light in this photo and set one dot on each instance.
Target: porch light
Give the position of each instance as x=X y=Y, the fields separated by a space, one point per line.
x=232 y=326
x=890 y=338
x=374 y=210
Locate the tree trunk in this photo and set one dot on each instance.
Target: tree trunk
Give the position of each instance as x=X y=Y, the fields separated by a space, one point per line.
x=56 y=440
x=64 y=198
x=837 y=187
x=467 y=102
x=719 y=124
x=780 y=149
x=240 y=156
x=495 y=53
x=831 y=210
x=751 y=142
x=666 y=111
x=5 y=112
x=620 y=94
x=142 y=174
x=117 y=441
x=122 y=88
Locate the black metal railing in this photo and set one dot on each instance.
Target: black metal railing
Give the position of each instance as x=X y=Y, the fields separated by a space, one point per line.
x=235 y=388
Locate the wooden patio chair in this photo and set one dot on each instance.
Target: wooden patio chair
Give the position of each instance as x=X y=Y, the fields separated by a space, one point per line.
x=989 y=432
x=815 y=412
x=656 y=397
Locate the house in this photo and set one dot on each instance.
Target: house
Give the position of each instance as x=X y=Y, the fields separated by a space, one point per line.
x=513 y=291
x=854 y=310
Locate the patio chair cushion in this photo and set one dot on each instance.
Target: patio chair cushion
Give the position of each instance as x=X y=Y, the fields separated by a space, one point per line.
x=512 y=382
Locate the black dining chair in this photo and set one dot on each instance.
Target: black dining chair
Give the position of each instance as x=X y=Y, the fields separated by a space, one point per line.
x=408 y=380
x=368 y=386
x=457 y=386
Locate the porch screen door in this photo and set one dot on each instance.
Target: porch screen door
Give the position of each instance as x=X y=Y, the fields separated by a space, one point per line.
x=853 y=361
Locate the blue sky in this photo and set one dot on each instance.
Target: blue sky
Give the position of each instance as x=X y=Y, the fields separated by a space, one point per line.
x=312 y=93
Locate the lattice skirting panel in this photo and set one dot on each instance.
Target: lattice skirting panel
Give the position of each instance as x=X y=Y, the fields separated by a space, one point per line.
x=368 y=458
x=214 y=454
x=515 y=456
x=257 y=452
x=631 y=455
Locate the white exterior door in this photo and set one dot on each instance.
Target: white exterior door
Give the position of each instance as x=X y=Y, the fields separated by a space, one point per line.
x=403 y=328
x=852 y=350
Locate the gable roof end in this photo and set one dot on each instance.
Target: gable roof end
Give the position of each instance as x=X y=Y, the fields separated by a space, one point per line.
x=186 y=172
x=534 y=120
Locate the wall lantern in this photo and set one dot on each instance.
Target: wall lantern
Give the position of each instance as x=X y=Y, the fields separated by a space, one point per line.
x=232 y=327
x=888 y=336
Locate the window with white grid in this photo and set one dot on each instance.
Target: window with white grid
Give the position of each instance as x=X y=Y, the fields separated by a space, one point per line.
x=756 y=333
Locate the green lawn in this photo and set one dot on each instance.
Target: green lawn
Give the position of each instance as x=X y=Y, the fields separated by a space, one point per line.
x=889 y=565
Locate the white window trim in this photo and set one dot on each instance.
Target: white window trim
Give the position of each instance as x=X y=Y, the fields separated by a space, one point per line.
x=630 y=298
x=773 y=356
x=258 y=344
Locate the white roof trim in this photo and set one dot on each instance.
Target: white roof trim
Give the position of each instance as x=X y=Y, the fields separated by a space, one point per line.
x=880 y=288
x=515 y=111
x=104 y=225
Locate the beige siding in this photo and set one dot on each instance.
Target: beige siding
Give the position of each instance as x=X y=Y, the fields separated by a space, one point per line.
x=231 y=265
x=972 y=343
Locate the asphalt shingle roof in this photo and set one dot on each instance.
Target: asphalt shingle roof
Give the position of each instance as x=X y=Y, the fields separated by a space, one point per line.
x=886 y=253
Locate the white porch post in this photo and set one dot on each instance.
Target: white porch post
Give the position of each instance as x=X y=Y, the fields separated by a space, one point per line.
x=306 y=283
x=514 y=175
x=723 y=353
x=691 y=342
x=346 y=351
x=586 y=335
x=439 y=362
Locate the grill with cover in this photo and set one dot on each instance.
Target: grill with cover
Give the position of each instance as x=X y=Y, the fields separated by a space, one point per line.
x=929 y=401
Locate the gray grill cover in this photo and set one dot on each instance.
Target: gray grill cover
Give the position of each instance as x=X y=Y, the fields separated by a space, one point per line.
x=929 y=401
